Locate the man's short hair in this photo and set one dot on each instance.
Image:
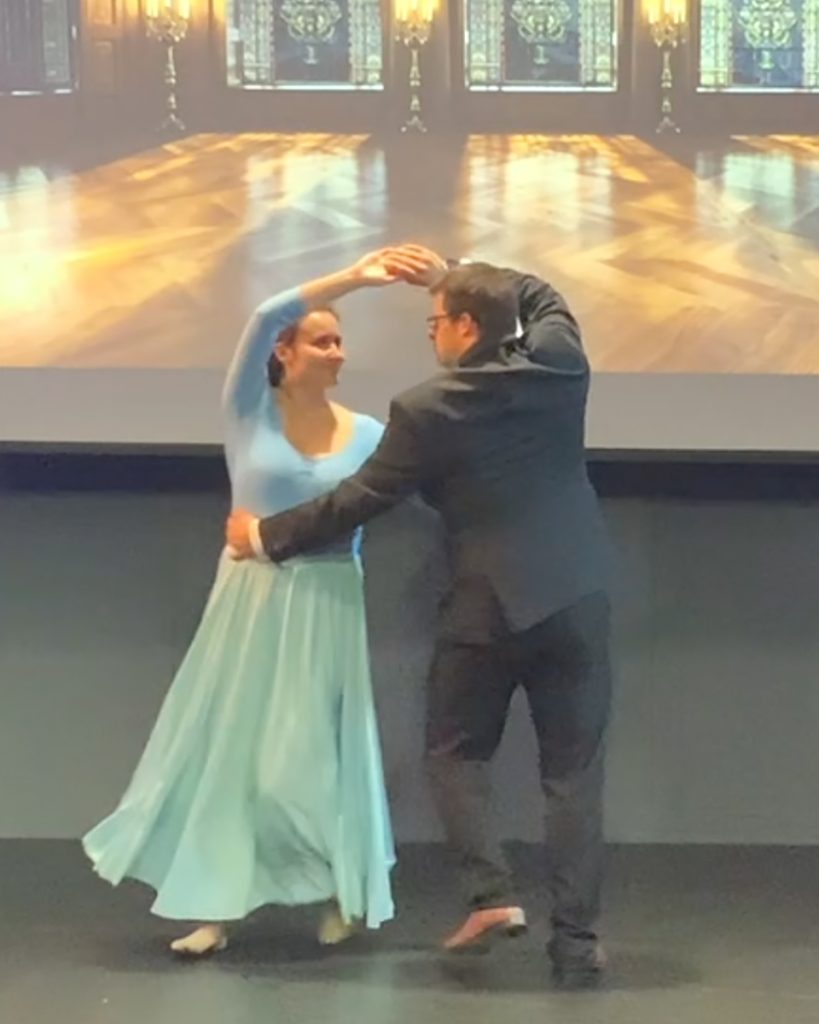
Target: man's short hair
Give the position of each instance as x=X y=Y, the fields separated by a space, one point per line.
x=485 y=293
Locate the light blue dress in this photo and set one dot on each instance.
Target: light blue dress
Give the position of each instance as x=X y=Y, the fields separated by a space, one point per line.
x=262 y=779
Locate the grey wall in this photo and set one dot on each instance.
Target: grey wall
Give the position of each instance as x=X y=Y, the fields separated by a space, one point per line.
x=717 y=638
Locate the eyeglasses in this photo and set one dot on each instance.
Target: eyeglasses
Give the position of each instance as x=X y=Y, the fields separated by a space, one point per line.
x=432 y=321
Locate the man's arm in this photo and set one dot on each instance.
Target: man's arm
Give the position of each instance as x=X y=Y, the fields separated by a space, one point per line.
x=551 y=333
x=395 y=470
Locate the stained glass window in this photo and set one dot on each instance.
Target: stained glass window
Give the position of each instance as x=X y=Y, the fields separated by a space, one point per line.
x=541 y=44
x=36 y=42
x=322 y=44
x=759 y=45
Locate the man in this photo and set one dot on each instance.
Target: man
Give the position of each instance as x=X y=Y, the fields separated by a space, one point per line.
x=495 y=443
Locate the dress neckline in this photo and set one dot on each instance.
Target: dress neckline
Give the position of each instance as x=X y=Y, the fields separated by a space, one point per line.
x=303 y=455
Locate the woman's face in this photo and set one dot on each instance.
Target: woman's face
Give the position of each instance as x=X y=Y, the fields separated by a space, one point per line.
x=316 y=354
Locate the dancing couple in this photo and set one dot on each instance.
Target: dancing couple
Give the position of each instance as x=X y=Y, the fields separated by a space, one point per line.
x=262 y=779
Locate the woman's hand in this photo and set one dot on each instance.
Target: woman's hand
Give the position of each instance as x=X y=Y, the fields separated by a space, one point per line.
x=416 y=264
x=374 y=269
x=412 y=263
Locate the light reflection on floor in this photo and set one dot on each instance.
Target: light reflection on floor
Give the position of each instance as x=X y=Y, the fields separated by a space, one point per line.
x=705 y=261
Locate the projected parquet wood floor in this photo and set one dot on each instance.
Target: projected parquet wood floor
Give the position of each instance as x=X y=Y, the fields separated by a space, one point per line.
x=697 y=259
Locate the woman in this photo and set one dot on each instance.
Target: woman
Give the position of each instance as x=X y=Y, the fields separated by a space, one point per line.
x=262 y=780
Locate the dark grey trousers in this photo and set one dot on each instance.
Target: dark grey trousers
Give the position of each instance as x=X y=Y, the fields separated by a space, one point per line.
x=563 y=664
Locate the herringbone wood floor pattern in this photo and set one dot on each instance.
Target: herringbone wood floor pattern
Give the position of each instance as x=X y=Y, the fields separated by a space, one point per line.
x=697 y=259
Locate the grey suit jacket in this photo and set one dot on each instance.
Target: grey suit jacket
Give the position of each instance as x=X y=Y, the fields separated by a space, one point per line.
x=496 y=445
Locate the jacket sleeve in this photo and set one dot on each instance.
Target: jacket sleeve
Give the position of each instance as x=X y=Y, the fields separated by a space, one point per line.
x=551 y=333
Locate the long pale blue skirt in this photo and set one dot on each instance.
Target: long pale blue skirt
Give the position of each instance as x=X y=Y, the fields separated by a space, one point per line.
x=262 y=779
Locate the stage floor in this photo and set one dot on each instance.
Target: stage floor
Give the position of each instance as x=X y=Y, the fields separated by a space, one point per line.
x=697 y=258
x=697 y=935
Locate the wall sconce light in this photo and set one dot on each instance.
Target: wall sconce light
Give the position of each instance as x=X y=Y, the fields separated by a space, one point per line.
x=667 y=22
x=413 y=27
x=167 y=21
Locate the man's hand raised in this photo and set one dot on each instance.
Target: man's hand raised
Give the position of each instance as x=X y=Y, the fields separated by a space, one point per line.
x=416 y=264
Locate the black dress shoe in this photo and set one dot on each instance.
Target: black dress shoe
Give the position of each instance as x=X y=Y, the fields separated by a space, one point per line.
x=579 y=969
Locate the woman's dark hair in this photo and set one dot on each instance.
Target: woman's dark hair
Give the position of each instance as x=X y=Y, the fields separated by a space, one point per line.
x=286 y=336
